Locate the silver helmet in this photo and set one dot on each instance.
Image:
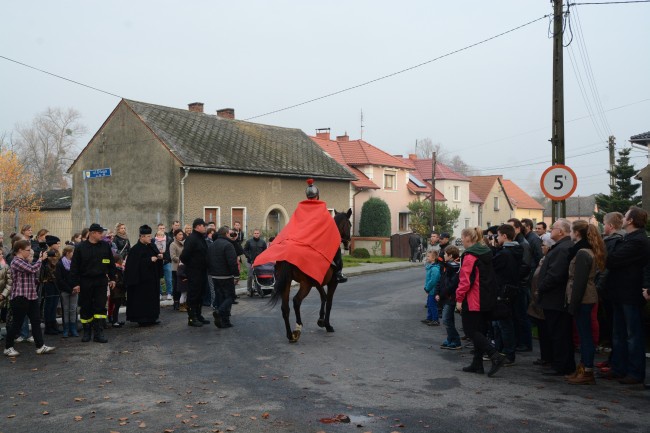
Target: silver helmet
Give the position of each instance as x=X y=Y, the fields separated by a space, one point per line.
x=312 y=190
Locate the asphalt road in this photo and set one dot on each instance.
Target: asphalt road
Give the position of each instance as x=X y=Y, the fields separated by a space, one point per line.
x=381 y=367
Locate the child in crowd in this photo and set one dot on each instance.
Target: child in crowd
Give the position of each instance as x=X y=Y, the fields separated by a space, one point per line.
x=432 y=279
x=118 y=294
x=69 y=297
x=181 y=285
x=446 y=293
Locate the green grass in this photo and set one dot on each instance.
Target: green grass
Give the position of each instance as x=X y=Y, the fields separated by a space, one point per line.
x=349 y=261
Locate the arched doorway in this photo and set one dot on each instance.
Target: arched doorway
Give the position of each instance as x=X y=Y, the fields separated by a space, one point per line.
x=275 y=220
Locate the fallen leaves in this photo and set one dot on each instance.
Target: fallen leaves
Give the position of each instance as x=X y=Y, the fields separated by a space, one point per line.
x=46 y=413
x=78 y=399
x=13 y=415
x=43 y=403
x=78 y=418
x=142 y=425
x=265 y=415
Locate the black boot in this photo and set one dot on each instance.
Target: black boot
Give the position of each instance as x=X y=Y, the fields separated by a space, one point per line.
x=98 y=328
x=218 y=322
x=176 y=305
x=477 y=364
x=225 y=322
x=50 y=329
x=497 y=361
x=191 y=317
x=340 y=277
x=87 y=333
x=200 y=317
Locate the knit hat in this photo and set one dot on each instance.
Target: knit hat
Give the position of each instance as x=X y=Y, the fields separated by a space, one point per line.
x=51 y=240
x=145 y=230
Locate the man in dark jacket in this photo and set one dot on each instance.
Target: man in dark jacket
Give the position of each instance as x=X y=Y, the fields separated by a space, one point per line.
x=222 y=268
x=507 y=263
x=253 y=247
x=523 y=328
x=624 y=286
x=551 y=286
x=194 y=257
x=414 y=242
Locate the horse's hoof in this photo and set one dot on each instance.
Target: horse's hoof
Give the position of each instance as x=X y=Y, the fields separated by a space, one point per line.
x=329 y=329
x=293 y=340
x=295 y=336
x=321 y=323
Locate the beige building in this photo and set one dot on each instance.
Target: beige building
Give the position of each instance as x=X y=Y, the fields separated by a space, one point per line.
x=496 y=208
x=524 y=205
x=170 y=163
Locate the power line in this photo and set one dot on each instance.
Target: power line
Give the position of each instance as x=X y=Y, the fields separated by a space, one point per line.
x=400 y=71
x=59 y=76
x=609 y=3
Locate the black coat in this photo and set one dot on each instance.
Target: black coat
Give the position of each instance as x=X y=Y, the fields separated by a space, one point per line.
x=554 y=275
x=63 y=278
x=507 y=263
x=222 y=258
x=253 y=248
x=142 y=281
x=195 y=252
x=626 y=265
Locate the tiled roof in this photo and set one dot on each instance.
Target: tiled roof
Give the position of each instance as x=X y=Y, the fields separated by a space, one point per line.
x=205 y=141
x=359 y=152
x=518 y=196
x=363 y=181
x=482 y=185
x=643 y=138
x=443 y=172
x=576 y=206
x=56 y=199
x=473 y=198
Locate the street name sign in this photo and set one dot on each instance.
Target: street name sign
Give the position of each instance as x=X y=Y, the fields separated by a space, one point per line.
x=558 y=182
x=99 y=172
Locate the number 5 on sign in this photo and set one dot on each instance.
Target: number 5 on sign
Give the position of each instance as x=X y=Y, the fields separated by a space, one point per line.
x=558 y=182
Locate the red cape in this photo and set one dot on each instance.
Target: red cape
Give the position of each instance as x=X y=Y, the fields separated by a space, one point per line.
x=309 y=241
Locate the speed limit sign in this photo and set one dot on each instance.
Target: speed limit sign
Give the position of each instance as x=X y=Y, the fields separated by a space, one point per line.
x=558 y=182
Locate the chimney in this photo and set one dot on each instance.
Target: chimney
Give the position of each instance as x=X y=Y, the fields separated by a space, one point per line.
x=323 y=133
x=226 y=113
x=195 y=107
x=344 y=137
x=413 y=157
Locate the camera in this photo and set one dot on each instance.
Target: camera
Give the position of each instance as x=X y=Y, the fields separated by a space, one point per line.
x=51 y=253
x=232 y=234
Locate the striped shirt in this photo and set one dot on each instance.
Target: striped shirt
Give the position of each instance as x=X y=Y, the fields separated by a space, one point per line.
x=24 y=275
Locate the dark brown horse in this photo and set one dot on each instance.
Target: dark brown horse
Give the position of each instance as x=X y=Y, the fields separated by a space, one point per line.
x=286 y=273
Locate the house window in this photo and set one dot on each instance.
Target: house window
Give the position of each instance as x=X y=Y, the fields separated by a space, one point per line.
x=403 y=221
x=212 y=214
x=496 y=203
x=456 y=193
x=466 y=223
x=389 y=181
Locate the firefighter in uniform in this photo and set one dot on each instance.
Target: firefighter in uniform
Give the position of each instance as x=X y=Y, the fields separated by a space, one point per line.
x=91 y=269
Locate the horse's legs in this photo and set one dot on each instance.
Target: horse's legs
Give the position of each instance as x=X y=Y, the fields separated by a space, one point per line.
x=323 y=299
x=331 y=288
x=303 y=291
x=285 y=312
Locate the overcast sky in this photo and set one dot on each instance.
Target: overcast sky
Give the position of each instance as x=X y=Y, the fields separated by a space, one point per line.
x=490 y=104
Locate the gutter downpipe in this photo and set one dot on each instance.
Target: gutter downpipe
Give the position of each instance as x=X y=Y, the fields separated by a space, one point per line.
x=187 y=173
x=354 y=205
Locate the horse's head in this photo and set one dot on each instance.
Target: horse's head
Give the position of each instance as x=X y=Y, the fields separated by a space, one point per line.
x=342 y=220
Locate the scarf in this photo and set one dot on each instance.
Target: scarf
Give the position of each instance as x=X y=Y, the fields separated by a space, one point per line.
x=66 y=262
x=582 y=243
x=161 y=242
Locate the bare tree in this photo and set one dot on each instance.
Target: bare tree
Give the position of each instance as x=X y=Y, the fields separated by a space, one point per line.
x=49 y=145
x=425 y=147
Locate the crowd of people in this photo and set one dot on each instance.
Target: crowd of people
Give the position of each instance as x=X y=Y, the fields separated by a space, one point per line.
x=581 y=291
x=90 y=277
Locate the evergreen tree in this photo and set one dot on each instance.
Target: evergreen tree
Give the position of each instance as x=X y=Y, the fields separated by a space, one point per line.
x=623 y=194
x=375 y=218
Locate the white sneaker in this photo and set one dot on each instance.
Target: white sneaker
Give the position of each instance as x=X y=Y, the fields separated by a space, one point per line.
x=30 y=339
x=11 y=352
x=170 y=298
x=20 y=339
x=44 y=349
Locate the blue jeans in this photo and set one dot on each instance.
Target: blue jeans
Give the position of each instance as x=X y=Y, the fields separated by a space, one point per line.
x=24 y=330
x=583 y=324
x=504 y=337
x=449 y=322
x=432 y=308
x=628 y=347
x=167 y=274
x=522 y=327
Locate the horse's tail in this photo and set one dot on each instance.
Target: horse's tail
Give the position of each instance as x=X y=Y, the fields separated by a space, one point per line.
x=282 y=281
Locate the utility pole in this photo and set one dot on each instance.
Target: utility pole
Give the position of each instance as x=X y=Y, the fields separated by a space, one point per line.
x=433 y=192
x=557 y=140
x=612 y=161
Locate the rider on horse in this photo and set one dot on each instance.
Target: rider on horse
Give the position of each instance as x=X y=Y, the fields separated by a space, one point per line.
x=313 y=194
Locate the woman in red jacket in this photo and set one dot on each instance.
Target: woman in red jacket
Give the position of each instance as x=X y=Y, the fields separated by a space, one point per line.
x=476 y=297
